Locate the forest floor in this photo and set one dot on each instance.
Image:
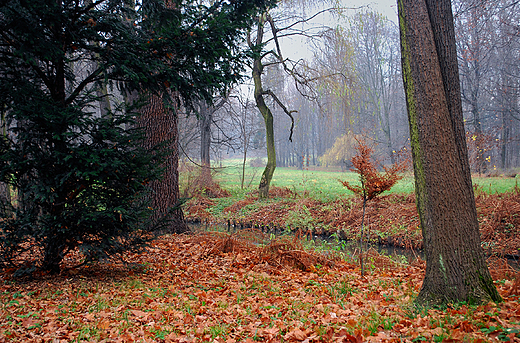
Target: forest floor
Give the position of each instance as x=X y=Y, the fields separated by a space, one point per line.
x=250 y=286
x=216 y=287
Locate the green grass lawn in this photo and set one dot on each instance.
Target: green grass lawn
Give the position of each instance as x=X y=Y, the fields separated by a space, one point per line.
x=324 y=185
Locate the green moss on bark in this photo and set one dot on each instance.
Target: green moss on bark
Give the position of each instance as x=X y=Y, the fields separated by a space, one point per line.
x=420 y=177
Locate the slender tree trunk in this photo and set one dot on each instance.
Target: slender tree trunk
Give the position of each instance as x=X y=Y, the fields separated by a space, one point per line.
x=455 y=266
x=5 y=189
x=206 y=118
x=361 y=237
x=507 y=103
x=481 y=163
x=258 y=68
x=104 y=100
x=54 y=243
x=160 y=125
x=267 y=176
x=505 y=132
x=243 y=169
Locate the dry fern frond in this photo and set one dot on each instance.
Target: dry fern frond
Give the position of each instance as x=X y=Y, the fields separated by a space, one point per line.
x=290 y=252
x=499 y=268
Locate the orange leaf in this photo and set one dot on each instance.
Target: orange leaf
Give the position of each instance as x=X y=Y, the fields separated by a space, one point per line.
x=104 y=325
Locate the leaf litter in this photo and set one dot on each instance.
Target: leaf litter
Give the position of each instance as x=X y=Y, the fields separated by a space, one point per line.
x=216 y=287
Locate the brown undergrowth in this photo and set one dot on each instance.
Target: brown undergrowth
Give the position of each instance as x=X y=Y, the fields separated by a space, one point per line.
x=391 y=219
x=280 y=252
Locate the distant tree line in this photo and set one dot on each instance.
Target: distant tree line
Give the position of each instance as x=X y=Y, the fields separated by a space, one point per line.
x=355 y=76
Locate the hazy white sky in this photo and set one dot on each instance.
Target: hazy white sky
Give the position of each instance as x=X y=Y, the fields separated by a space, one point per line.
x=385 y=7
x=298 y=47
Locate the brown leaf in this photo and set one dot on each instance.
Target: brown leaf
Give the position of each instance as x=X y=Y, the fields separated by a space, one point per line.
x=139 y=313
x=296 y=334
x=269 y=333
x=346 y=337
x=28 y=322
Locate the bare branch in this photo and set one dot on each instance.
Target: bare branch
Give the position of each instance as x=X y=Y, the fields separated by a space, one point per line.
x=91 y=78
x=289 y=113
x=306 y=20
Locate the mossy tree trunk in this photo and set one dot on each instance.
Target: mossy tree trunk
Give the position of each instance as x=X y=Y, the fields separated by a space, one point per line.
x=267 y=175
x=258 y=68
x=456 y=269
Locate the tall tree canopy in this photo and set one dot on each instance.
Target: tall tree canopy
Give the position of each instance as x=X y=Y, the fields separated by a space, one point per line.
x=455 y=266
x=80 y=177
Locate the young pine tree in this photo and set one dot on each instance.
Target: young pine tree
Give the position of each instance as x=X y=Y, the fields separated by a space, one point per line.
x=373 y=182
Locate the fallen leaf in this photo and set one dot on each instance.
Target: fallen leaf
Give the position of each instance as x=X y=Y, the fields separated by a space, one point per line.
x=296 y=334
x=103 y=325
x=28 y=322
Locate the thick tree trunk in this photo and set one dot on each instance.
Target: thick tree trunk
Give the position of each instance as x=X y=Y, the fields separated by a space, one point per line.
x=54 y=253
x=161 y=125
x=455 y=266
x=5 y=194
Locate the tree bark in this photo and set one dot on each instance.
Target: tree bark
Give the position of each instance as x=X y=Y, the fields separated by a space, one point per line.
x=206 y=118
x=5 y=189
x=456 y=269
x=267 y=175
x=160 y=125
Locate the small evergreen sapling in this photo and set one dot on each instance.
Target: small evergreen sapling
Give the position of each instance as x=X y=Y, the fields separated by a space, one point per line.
x=373 y=183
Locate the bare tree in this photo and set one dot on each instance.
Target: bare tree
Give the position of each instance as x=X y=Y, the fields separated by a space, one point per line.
x=243 y=117
x=377 y=70
x=271 y=27
x=488 y=47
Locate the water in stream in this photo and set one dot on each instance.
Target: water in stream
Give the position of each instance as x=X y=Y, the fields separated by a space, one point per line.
x=349 y=247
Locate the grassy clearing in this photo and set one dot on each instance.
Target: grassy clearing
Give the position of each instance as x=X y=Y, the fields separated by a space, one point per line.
x=324 y=185
x=318 y=184
x=199 y=289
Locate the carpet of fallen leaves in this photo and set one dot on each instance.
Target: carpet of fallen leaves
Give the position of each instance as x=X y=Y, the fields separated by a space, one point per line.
x=227 y=288
x=392 y=219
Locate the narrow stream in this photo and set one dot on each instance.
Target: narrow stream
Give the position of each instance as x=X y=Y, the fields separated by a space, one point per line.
x=350 y=247
x=353 y=247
